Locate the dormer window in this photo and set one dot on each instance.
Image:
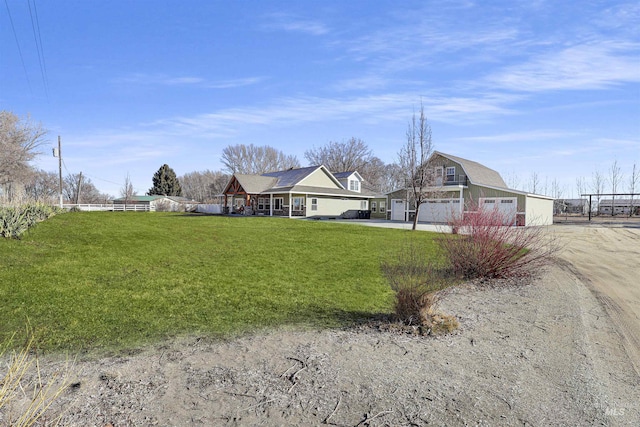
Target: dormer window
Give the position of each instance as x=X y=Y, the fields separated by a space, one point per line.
x=354 y=185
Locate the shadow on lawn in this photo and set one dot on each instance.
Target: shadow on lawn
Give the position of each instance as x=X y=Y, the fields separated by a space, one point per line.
x=327 y=317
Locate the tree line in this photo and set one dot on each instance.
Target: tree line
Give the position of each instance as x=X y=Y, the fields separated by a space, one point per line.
x=22 y=138
x=349 y=155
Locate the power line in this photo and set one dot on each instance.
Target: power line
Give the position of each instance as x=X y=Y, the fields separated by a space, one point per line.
x=37 y=36
x=15 y=35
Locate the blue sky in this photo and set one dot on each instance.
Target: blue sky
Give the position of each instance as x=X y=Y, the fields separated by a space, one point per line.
x=546 y=87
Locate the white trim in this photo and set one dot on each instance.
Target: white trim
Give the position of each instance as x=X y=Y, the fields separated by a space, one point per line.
x=356 y=196
x=271 y=205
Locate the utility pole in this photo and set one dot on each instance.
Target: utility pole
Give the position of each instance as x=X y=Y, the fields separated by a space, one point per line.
x=79 y=188
x=58 y=154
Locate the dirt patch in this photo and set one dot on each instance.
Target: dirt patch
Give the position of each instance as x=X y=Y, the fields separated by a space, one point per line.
x=607 y=260
x=542 y=354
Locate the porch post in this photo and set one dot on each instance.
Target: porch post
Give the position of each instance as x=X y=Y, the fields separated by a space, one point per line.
x=461 y=202
x=224 y=207
x=290 y=205
x=271 y=204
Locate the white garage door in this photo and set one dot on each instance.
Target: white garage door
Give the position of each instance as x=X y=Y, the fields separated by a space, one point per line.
x=439 y=210
x=507 y=206
x=398 y=209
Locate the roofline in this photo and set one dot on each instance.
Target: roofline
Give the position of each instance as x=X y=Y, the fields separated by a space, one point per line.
x=510 y=190
x=318 y=193
x=449 y=156
x=333 y=178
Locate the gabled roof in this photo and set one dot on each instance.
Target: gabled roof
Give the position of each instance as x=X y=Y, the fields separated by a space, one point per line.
x=291 y=177
x=478 y=174
x=291 y=180
x=345 y=175
x=253 y=184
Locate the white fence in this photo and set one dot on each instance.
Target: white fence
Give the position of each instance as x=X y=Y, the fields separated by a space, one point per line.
x=201 y=208
x=133 y=208
x=209 y=208
x=110 y=207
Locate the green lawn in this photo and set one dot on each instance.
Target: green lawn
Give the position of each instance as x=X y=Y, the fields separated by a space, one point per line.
x=105 y=280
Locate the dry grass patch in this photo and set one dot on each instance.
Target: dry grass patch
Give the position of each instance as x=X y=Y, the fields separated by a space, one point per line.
x=25 y=393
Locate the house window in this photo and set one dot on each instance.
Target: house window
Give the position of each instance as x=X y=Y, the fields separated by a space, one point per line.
x=451 y=173
x=298 y=203
x=264 y=203
x=277 y=203
x=382 y=207
x=506 y=201
x=354 y=185
x=374 y=206
x=314 y=204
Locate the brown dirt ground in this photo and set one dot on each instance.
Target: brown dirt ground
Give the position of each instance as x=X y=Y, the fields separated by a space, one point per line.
x=559 y=351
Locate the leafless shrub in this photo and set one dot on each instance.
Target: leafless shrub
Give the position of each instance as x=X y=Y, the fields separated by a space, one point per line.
x=487 y=248
x=417 y=282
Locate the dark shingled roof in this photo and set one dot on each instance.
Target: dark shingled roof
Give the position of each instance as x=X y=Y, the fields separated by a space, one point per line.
x=290 y=177
x=341 y=175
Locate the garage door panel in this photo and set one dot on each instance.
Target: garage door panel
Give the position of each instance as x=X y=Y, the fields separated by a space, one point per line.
x=507 y=206
x=398 y=210
x=439 y=210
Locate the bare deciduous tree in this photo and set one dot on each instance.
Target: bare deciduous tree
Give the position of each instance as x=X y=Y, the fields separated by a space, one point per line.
x=513 y=180
x=393 y=178
x=634 y=179
x=348 y=156
x=534 y=183
x=43 y=187
x=581 y=185
x=615 y=177
x=251 y=159
x=127 y=191
x=20 y=140
x=413 y=159
x=78 y=188
x=203 y=186
x=597 y=186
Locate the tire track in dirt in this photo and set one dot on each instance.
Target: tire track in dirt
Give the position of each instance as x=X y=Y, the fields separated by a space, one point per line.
x=606 y=261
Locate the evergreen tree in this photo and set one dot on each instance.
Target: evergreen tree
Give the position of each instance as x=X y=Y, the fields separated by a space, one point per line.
x=165 y=183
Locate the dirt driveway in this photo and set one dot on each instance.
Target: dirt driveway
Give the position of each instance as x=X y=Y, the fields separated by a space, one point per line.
x=607 y=260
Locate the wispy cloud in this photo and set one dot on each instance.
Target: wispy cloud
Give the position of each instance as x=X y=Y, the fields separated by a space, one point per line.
x=534 y=135
x=164 y=80
x=300 y=110
x=587 y=66
x=292 y=23
x=233 y=83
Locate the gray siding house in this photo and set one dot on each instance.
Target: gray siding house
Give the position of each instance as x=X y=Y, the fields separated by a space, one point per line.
x=302 y=192
x=461 y=185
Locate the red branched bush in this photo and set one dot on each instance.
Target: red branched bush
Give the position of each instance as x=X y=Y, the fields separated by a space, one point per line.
x=484 y=247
